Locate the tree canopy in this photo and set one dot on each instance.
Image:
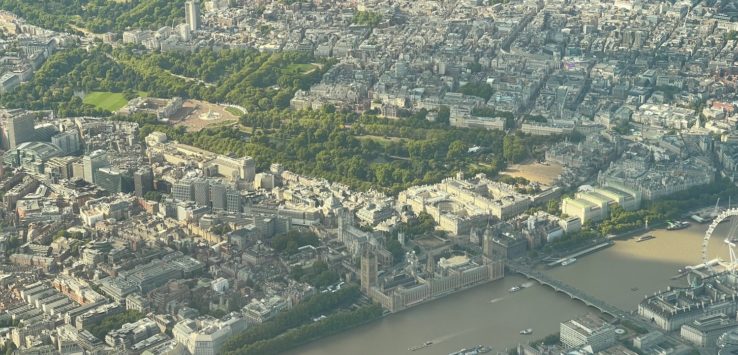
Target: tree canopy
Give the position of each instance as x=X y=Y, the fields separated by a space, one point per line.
x=97 y=16
x=367 y=18
x=114 y=322
x=299 y=315
x=257 y=81
x=291 y=241
x=477 y=89
x=362 y=151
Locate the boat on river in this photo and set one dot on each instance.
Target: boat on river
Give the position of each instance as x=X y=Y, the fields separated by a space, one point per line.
x=479 y=349
x=418 y=347
x=672 y=226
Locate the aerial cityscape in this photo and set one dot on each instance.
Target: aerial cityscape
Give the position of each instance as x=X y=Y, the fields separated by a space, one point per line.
x=320 y=177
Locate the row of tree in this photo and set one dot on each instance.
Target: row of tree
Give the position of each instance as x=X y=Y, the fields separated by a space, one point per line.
x=301 y=314
x=334 y=323
x=671 y=207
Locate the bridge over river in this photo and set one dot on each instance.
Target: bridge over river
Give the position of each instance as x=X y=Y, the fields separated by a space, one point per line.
x=569 y=290
x=589 y=300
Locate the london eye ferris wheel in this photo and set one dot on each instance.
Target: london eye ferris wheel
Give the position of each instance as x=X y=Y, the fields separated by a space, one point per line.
x=731 y=240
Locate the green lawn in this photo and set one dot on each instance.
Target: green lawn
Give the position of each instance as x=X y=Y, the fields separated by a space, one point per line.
x=378 y=139
x=111 y=101
x=298 y=68
x=222 y=123
x=234 y=111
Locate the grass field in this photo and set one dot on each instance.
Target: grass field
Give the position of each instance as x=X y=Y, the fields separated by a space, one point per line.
x=378 y=139
x=222 y=123
x=111 y=101
x=234 y=111
x=299 y=68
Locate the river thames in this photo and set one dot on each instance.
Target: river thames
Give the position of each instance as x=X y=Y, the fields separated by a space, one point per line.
x=621 y=275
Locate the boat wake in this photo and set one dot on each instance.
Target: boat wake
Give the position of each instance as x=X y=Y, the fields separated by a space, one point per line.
x=495 y=300
x=527 y=284
x=452 y=335
x=437 y=340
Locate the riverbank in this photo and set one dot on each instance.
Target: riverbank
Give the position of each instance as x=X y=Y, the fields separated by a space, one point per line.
x=336 y=323
x=488 y=314
x=653 y=263
x=621 y=275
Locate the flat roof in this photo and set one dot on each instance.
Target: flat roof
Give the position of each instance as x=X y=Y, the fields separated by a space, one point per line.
x=613 y=192
x=581 y=203
x=597 y=197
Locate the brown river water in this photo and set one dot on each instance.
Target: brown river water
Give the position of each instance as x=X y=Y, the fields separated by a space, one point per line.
x=489 y=314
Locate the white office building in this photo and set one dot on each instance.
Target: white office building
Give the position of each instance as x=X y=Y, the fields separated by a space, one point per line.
x=587 y=330
x=206 y=335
